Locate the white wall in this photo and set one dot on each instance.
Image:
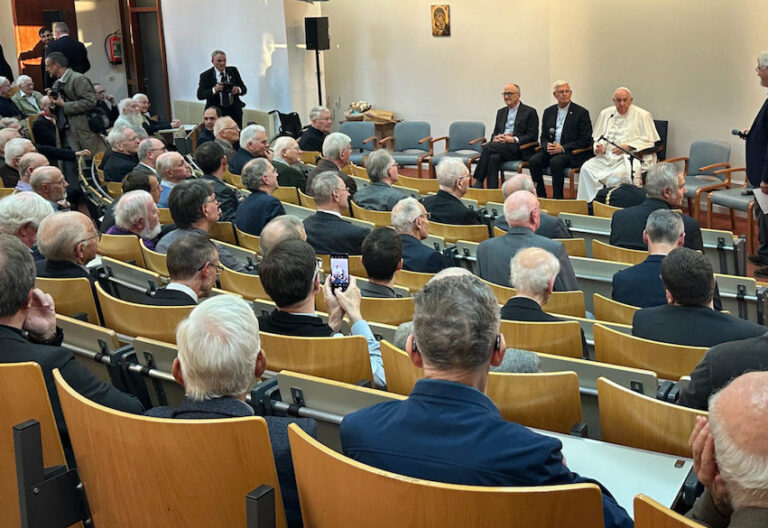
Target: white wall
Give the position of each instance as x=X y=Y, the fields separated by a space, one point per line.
x=96 y=20
x=8 y=36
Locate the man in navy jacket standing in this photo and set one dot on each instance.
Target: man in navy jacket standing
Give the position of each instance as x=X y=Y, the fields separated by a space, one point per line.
x=757 y=167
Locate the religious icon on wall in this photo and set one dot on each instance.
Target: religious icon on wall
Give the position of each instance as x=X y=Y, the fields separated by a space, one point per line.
x=441 y=20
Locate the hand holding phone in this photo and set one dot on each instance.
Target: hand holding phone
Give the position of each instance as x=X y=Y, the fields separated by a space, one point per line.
x=339 y=271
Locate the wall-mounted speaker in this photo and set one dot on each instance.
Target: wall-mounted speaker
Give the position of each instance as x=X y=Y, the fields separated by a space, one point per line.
x=316 y=33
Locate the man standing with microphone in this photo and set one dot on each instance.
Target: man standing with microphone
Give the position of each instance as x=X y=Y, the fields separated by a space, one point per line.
x=757 y=167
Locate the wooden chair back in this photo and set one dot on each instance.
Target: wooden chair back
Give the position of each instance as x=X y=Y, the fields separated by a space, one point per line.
x=563 y=303
x=555 y=207
x=223 y=231
x=603 y=251
x=337 y=358
x=387 y=311
x=400 y=371
x=546 y=400
x=603 y=210
x=221 y=460
x=451 y=233
x=333 y=487
x=248 y=241
x=236 y=180
x=413 y=280
x=71 y=296
x=575 y=247
x=422 y=185
x=115 y=189
x=25 y=397
x=483 y=196
x=378 y=218
x=497 y=231
x=359 y=172
x=651 y=514
x=667 y=361
x=310 y=156
x=287 y=195
x=632 y=419
x=153 y=322
x=306 y=200
x=125 y=248
x=245 y=284
x=164 y=214
x=154 y=261
x=609 y=310
x=560 y=338
x=356 y=267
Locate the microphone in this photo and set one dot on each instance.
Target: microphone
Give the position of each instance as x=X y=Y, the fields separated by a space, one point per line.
x=551 y=135
x=739 y=133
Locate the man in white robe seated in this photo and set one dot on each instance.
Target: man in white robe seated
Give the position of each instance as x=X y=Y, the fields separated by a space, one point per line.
x=629 y=126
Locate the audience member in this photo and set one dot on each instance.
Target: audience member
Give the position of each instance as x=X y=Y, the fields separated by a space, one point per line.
x=130 y=115
x=195 y=209
x=28 y=163
x=565 y=127
x=48 y=140
x=136 y=214
x=124 y=143
x=149 y=150
x=628 y=126
x=312 y=138
x=172 y=168
x=6 y=134
x=730 y=454
x=212 y=161
x=382 y=258
x=688 y=318
x=7 y=107
x=327 y=231
x=13 y=152
x=71 y=48
x=27 y=99
x=226 y=133
x=287 y=162
x=641 y=284
x=455 y=340
x=379 y=195
x=259 y=177
x=284 y=227
x=291 y=276
x=337 y=148
x=618 y=193
x=133 y=181
x=549 y=226
x=665 y=188
x=106 y=102
x=152 y=126
x=516 y=125
x=68 y=241
x=21 y=215
x=222 y=86
x=521 y=208
x=253 y=144
x=210 y=115
x=49 y=183
x=219 y=360
x=411 y=221
x=445 y=206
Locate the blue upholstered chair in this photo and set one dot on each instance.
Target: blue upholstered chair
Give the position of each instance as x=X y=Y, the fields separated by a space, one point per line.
x=411 y=143
x=363 y=136
x=702 y=172
x=464 y=141
x=735 y=199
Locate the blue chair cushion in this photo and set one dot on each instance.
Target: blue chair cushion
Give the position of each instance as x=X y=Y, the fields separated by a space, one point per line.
x=407 y=158
x=692 y=183
x=732 y=199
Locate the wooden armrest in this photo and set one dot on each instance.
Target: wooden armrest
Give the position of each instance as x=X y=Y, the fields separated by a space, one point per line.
x=478 y=140
x=673 y=160
x=581 y=150
x=424 y=140
x=706 y=168
x=441 y=138
x=375 y=141
x=529 y=145
x=730 y=170
x=384 y=141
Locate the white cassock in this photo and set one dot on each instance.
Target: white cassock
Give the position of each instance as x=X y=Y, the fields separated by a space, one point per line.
x=636 y=129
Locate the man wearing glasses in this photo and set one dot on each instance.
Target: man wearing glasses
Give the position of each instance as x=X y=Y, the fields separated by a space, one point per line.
x=312 y=138
x=411 y=221
x=68 y=241
x=757 y=167
x=516 y=125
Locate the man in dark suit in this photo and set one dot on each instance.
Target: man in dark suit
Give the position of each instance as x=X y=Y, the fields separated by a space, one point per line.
x=259 y=177
x=445 y=206
x=565 y=127
x=312 y=138
x=456 y=339
x=7 y=107
x=253 y=145
x=641 y=284
x=210 y=116
x=125 y=145
x=13 y=151
x=133 y=181
x=210 y=158
x=72 y=49
x=28 y=332
x=757 y=167
x=549 y=226
x=327 y=231
x=222 y=86
x=216 y=381
x=689 y=318
x=287 y=162
x=521 y=209
x=516 y=124
x=382 y=257
x=337 y=148
x=149 y=150
x=665 y=188
x=68 y=241
x=379 y=195
x=411 y=220
x=38 y=51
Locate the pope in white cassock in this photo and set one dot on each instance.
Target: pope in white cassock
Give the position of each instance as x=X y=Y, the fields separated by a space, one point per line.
x=626 y=125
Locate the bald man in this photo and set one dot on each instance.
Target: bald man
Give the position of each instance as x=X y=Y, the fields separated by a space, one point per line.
x=68 y=241
x=549 y=226
x=521 y=209
x=730 y=455
x=49 y=183
x=28 y=163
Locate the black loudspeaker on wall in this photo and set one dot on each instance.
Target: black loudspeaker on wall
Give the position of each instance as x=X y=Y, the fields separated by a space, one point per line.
x=316 y=32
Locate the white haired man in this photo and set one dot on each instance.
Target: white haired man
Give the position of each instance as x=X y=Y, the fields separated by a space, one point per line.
x=50 y=183
x=124 y=142
x=172 y=168
x=222 y=86
x=27 y=99
x=152 y=127
x=149 y=150
x=626 y=125
x=68 y=241
x=411 y=221
x=337 y=148
x=259 y=177
x=253 y=144
x=28 y=163
x=730 y=455
x=757 y=167
x=21 y=215
x=129 y=114
x=136 y=214
x=226 y=133
x=445 y=206
x=379 y=195
x=312 y=138
x=549 y=226
x=7 y=107
x=14 y=150
x=287 y=162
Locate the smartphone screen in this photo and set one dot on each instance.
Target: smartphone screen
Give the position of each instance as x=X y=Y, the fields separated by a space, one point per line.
x=339 y=271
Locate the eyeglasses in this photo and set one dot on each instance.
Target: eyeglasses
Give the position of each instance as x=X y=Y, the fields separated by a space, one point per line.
x=218 y=266
x=97 y=236
x=426 y=215
x=509 y=94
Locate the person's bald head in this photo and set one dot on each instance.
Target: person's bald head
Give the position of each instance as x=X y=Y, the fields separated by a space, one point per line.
x=6 y=135
x=518 y=182
x=532 y=272
x=280 y=228
x=69 y=236
x=739 y=423
x=28 y=163
x=49 y=183
x=226 y=129
x=521 y=209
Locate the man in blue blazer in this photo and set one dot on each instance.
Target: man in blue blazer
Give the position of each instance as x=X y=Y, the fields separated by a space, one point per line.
x=411 y=221
x=757 y=166
x=448 y=430
x=259 y=177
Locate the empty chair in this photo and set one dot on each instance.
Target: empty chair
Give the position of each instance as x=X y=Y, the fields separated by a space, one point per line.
x=603 y=251
x=378 y=218
x=248 y=241
x=631 y=419
x=287 y=194
x=190 y=472
x=667 y=361
x=71 y=297
x=363 y=139
x=164 y=214
x=334 y=487
x=337 y=358
x=223 y=231
x=411 y=143
x=561 y=338
x=159 y=356
x=387 y=311
x=310 y=156
x=93 y=346
x=121 y=247
x=115 y=189
x=735 y=199
x=245 y=284
x=483 y=196
x=464 y=141
x=603 y=210
x=307 y=201
x=424 y=186
x=651 y=514
x=574 y=247
x=609 y=310
x=451 y=233
x=702 y=170
x=413 y=280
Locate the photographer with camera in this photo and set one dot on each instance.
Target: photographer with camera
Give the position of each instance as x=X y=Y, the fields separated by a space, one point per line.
x=72 y=97
x=222 y=86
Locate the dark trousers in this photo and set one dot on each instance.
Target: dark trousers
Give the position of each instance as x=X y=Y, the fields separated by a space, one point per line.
x=235 y=112
x=557 y=165
x=762 y=232
x=491 y=158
